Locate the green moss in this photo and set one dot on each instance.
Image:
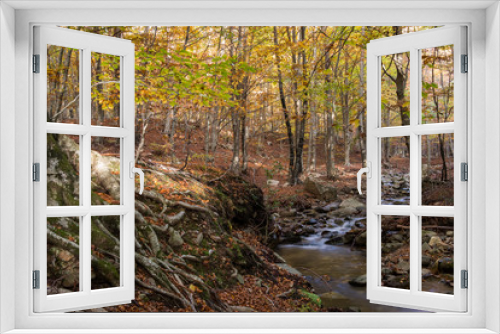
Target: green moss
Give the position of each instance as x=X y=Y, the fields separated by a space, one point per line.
x=96 y=199
x=311 y=296
x=61 y=191
x=101 y=239
x=106 y=270
x=239 y=258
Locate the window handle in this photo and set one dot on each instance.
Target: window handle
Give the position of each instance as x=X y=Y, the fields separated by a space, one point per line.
x=134 y=170
x=368 y=171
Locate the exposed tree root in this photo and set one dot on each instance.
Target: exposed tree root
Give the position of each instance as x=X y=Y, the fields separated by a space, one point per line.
x=180 y=277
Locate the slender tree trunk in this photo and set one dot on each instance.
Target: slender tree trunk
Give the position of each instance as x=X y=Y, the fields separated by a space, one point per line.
x=63 y=88
x=173 y=110
x=298 y=107
x=235 y=113
x=330 y=144
x=400 y=81
x=212 y=132
x=286 y=113
x=207 y=133
x=214 y=135
x=235 y=161
x=435 y=97
x=244 y=154
x=311 y=156
x=362 y=106
x=245 y=55
x=303 y=112
x=142 y=138
x=362 y=137
x=346 y=117
x=99 y=88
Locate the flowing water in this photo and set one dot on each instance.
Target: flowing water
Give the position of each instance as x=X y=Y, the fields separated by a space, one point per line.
x=330 y=268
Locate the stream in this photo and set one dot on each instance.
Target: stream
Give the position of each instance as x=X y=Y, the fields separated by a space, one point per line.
x=330 y=268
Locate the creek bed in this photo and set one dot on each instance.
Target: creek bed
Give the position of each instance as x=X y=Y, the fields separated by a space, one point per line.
x=329 y=268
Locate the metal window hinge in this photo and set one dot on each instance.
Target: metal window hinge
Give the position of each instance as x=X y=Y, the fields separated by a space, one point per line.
x=464 y=171
x=465 y=279
x=36 y=279
x=465 y=64
x=36 y=172
x=36 y=63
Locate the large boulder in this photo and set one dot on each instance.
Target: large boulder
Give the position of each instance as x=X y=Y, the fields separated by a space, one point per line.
x=445 y=265
x=320 y=190
x=291 y=270
x=175 y=239
x=361 y=239
x=352 y=203
x=359 y=281
x=243 y=201
x=342 y=213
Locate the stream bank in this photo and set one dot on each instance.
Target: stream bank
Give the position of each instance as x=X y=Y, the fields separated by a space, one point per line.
x=328 y=249
x=326 y=243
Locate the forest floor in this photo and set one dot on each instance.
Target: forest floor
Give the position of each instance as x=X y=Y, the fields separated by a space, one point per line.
x=275 y=287
x=267 y=160
x=207 y=238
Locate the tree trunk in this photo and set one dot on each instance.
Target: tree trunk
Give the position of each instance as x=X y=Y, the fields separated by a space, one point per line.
x=435 y=98
x=171 y=120
x=286 y=113
x=302 y=114
x=214 y=135
x=346 y=116
x=362 y=106
x=400 y=81
x=142 y=137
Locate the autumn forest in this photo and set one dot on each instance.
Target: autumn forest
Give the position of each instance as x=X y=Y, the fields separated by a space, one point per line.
x=250 y=139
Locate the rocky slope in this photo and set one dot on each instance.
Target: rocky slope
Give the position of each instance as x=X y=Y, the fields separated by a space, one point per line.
x=199 y=241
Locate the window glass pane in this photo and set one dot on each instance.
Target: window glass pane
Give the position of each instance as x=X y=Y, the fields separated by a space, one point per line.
x=437 y=84
x=63 y=170
x=63 y=259
x=395 y=90
x=63 y=84
x=105 y=171
x=105 y=89
x=395 y=171
x=437 y=170
x=105 y=252
x=395 y=252
x=437 y=254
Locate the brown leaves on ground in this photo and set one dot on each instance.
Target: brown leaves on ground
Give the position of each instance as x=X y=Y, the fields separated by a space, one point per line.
x=263 y=295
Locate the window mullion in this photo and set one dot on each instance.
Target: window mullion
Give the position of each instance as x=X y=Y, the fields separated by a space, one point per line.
x=414 y=170
x=85 y=161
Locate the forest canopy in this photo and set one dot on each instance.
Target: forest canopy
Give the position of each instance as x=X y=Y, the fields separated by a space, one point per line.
x=301 y=85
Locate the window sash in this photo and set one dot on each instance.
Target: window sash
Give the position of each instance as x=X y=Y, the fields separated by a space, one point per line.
x=414 y=298
x=86 y=297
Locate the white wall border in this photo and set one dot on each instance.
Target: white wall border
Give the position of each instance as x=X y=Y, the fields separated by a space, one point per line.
x=327 y=322
x=492 y=152
x=7 y=167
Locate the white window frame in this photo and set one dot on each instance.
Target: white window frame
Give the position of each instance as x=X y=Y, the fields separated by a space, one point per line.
x=414 y=43
x=86 y=43
x=484 y=102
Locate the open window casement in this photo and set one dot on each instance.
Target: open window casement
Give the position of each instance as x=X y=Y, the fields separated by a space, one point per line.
x=428 y=66
x=74 y=209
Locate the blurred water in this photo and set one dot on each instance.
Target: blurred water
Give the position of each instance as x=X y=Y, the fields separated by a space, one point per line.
x=331 y=267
